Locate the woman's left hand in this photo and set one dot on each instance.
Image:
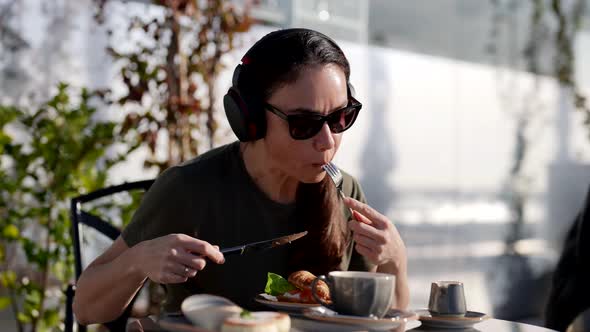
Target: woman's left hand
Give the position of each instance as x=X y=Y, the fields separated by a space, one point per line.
x=376 y=237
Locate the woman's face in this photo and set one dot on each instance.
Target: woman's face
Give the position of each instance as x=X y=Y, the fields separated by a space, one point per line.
x=319 y=89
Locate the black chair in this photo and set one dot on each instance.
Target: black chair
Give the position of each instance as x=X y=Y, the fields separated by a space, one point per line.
x=80 y=217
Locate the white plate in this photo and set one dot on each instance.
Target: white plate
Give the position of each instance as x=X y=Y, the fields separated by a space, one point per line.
x=471 y=318
x=392 y=320
x=272 y=302
x=187 y=327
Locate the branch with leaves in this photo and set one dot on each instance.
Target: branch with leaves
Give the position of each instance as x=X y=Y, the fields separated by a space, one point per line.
x=564 y=71
x=176 y=59
x=561 y=37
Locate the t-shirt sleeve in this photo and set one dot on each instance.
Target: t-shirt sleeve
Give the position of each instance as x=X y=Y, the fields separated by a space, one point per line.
x=162 y=210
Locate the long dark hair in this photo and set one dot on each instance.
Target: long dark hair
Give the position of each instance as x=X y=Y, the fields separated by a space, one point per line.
x=319 y=210
x=278 y=58
x=274 y=61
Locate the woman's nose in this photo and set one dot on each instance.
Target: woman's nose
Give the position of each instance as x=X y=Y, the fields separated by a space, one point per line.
x=324 y=139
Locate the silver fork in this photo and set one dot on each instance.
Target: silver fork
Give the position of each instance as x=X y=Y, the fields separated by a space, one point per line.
x=336 y=176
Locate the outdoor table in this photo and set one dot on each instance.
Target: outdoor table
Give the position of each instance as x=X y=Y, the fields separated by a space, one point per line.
x=180 y=324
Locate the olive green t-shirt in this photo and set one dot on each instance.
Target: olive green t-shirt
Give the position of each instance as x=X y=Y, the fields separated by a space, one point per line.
x=213 y=198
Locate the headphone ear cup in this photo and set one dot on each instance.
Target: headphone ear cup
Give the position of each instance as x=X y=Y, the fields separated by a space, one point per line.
x=235 y=116
x=243 y=119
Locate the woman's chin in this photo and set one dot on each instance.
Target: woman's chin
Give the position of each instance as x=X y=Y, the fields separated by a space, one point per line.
x=314 y=178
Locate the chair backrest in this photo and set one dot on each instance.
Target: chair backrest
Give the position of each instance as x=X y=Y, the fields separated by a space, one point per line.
x=81 y=217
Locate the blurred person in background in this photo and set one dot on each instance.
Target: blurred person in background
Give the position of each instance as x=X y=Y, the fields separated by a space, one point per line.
x=570 y=291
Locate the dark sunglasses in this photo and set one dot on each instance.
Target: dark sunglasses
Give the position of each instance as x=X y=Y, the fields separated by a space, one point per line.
x=307 y=125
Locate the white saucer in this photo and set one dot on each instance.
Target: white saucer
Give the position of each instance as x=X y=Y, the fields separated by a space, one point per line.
x=460 y=322
x=393 y=319
x=272 y=302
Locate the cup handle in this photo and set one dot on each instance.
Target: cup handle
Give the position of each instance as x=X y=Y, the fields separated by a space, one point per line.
x=314 y=286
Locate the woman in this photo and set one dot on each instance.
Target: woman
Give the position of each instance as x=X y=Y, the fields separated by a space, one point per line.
x=289 y=104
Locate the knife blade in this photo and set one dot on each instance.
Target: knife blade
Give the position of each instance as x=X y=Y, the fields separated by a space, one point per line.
x=262 y=245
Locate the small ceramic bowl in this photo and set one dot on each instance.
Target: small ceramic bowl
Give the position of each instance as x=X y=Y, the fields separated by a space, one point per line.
x=208 y=311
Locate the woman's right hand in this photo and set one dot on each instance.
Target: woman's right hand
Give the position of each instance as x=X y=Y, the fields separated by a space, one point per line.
x=174 y=258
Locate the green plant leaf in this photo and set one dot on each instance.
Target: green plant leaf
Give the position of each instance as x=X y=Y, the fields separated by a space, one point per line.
x=8 y=114
x=23 y=318
x=4 y=302
x=277 y=285
x=8 y=279
x=51 y=317
x=33 y=298
x=10 y=232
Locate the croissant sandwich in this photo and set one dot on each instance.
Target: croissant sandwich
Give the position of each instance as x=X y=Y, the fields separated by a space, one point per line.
x=297 y=287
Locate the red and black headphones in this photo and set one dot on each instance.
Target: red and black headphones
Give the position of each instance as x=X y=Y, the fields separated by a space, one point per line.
x=246 y=114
